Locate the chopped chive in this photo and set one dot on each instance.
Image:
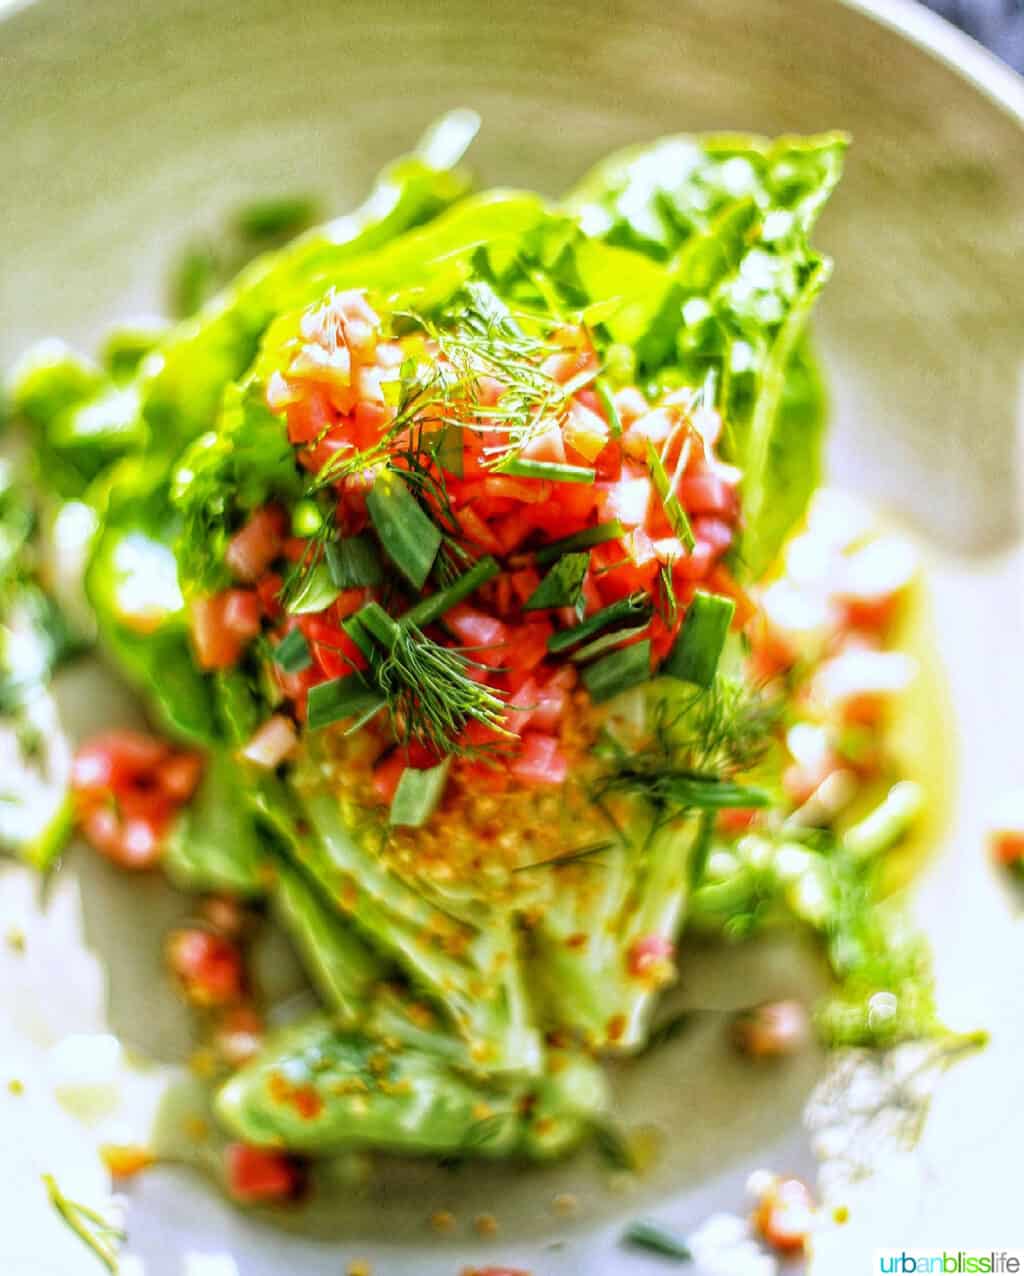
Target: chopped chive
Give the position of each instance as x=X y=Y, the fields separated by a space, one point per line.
x=674 y=511
x=607 y=642
x=347 y=697
x=292 y=653
x=316 y=592
x=643 y=1234
x=612 y=1147
x=410 y=539
x=618 y=671
x=430 y=609
x=625 y=609
x=418 y=794
x=523 y=467
x=608 y=403
x=354 y=562
x=708 y=793
x=598 y=535
x=562 y=586
x=698 y=648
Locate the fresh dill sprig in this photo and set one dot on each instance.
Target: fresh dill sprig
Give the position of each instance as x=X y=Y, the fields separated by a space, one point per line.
x=695 y=751
x=429 y=692
x=96 y=1232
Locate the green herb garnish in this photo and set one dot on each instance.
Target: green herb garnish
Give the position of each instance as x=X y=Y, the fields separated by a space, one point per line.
x=590 y=536
x=95 y=1232
x=553 y=471
x=418 y=794
x=313 y=591
x=562 y=586
x=351 y=696
x=354 y=562
x=626 y=609
x=410 y=538
x=618 y=671
x=292 y=653
x=665 y=487
x=695 y=654
x=433 y=608
x=643 y=1234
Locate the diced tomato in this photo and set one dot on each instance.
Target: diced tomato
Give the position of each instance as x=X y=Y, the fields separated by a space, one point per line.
x=178 y=775
x=713 y=532
x=242 y=612
x=251 y=550
x=217 y=646
x=126 y=788
x=528 y=645
x=736 y=820
x=650 y=957
x=257 y=1175
x=486 y=637
x=546 y=446
x=540 y=761
x=333 y=650
x=515 y=528
x=239 y=1035
x=523 y=582
x=125 y=1160
x=630 y=404
x=529 y=491
x=522 y=706
x=310 y=416
x=785 y=1215
x=272 y=743
x=325 y=452
x=585 y=432
x=708 y=494
x=476 y=531
x=772 y=1030
x=386 y=775
x=134 y=843
x=628 y=501
x=208 y=966
x=370 y=420
x=115 y=758
x=654 y=427
x=268 y=588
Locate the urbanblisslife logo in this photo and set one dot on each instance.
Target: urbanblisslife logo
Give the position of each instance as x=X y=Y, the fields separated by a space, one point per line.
x=957 y=1262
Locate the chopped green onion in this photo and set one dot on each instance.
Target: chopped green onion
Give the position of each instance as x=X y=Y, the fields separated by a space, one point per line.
x=598 y=535
x=306 y=519
x=607 y=642
x=347 y=697
x=356 y=630
x=354 y=562
x=709 y=793
x=418 y=794
x=316 y=592
x=618 y=671
x=644 y=1234
x=292 y=653
x=410 y=539
x=562 y=586
x=674 y=511
x=625 y=609
x=376 y=621
x=695 y=654
x=608 y=403
x=523 y=467
x=432 y=608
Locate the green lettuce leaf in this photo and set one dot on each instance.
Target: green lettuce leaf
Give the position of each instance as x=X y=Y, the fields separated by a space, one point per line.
x=728 y=219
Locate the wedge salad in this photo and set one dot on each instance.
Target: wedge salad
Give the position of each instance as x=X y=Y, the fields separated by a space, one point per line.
x=450 y=548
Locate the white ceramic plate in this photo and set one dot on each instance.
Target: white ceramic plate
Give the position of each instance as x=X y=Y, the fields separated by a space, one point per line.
x=127 y=125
